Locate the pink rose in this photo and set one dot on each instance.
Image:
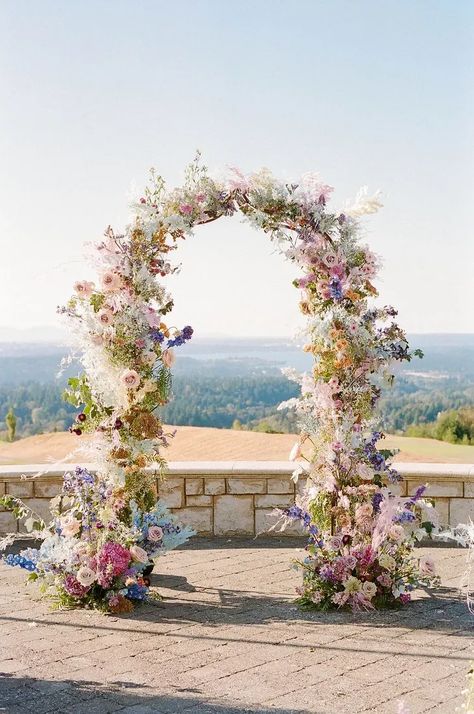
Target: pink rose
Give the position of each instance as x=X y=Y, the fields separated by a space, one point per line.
x=186 y=208
x=84 y=288
x=155 y=534
x=69 y=525
x=111 y=282
x=139 y=554
x=105 y=316
x=168 y=358
x=131 y=379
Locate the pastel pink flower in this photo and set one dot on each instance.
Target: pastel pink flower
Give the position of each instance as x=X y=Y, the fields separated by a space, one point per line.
x=152 y=317
x=70 y=526
x=111 y=281
x=84 y=288
x=139 y=554
x=131 y=378
x=186 y=208
x=155 y=534
x=105 y=316
x=168 y=358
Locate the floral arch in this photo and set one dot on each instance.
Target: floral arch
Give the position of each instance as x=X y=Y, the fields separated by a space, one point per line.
x=108 y=527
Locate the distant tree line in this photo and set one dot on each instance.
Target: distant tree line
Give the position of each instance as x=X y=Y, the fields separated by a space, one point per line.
x=418 y=407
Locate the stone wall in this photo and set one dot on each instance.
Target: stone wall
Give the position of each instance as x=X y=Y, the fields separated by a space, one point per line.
x=237 y=498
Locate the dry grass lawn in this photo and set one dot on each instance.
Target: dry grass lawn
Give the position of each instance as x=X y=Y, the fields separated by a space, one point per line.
x=203 y=444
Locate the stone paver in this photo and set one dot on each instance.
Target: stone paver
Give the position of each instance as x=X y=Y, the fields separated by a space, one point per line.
x=227 y=639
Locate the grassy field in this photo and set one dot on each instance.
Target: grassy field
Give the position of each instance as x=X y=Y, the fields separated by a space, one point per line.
x=204 y=444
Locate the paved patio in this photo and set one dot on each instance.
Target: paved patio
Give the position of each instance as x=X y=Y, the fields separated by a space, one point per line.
x=227 y=639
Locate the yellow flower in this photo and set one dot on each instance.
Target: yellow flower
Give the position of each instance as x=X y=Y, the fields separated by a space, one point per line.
x=352 y=585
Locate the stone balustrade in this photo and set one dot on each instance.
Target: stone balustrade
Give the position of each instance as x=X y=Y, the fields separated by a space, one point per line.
x=237 y=498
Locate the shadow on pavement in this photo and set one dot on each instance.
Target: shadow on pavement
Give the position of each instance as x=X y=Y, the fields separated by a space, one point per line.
x=19 y=694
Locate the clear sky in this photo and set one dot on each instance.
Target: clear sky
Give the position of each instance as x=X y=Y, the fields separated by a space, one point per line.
x=95 y=92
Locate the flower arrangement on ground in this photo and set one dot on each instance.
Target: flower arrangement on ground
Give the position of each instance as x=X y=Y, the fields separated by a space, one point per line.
x=361 y=535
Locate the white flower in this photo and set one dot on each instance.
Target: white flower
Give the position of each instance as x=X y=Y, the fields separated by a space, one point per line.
x=296 y=474
x=386 y=561
x=369 y=589
x=396 y=533
x=364 y=204
x=86 y=575
x=295 y=452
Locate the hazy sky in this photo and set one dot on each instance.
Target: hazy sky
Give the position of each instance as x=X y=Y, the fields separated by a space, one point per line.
x=93 y=93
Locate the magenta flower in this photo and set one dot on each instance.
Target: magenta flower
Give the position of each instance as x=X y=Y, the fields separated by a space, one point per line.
x=113 y=560
x=73 y=587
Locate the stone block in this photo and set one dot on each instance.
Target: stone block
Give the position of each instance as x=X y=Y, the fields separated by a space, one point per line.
x=46 y=489
x=171 y=492
x=461 y=510
x=233 y=515
x=199 y=500
x=214 y=486
x=274 y=500
x=40 y=506
x=438 y=488
x=266 y=518
x=246 y=485
x=20 y=489
x=8 y=522
x=403 y=487
x=2 y=487
x=301 y=485
x=280 y=485
x=442 y=509
x=468 y=489
x=198 y=518
x=194 y=486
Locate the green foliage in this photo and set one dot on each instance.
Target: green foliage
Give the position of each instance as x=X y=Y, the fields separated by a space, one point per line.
x=11 y=424
x=456 y=426
x=164 y=384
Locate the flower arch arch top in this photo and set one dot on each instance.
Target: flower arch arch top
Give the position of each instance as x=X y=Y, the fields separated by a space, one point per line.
x=359 y=551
